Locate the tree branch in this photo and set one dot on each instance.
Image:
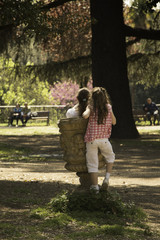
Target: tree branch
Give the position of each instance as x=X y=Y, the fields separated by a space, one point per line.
x=142 y=33
x=72 y=60
x=137 y=56
x=56 y=4
x=6 y=27
x=129 y=43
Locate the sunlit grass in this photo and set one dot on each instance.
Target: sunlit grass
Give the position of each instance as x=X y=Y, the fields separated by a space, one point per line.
x=149 y=130
x=42 y=129
x=29 y=130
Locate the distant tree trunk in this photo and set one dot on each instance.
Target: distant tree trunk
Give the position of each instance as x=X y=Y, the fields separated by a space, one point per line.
x=109 y=63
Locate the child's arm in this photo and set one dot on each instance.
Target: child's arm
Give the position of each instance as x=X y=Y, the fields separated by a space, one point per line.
x=86 y=113
x=113 y=119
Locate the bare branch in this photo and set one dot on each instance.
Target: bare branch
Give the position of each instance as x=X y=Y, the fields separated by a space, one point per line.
x=142 y=33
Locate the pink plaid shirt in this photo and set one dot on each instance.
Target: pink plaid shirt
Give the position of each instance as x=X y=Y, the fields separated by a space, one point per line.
x=97 y=131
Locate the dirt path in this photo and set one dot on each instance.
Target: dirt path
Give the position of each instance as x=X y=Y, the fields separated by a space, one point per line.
x=135 y=175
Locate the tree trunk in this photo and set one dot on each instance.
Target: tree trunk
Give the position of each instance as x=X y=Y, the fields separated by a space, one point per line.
x=109 y=63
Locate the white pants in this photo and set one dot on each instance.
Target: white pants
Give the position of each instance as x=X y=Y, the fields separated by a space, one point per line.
x=92 y=153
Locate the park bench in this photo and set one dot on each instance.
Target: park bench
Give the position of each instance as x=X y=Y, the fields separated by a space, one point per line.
x=37 y=115
x=140 y=115
x=40 y=115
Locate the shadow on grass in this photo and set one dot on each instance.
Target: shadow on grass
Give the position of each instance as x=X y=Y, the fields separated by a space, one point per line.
x=24 y=195
x=139 y=158
x=35 y=144
x=17 y=194
x=18 y=199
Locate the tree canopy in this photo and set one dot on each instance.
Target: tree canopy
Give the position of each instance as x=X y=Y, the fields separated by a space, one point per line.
x=62 y=27
x=56 y=35
x=67 y=39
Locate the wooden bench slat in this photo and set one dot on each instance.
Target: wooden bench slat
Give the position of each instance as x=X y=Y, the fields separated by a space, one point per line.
x=41 y=115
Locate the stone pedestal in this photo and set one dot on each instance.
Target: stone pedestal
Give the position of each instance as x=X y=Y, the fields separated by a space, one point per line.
x=72 y=142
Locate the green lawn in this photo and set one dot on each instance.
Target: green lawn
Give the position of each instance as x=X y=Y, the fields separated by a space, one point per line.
x=43 y=211
x=30 y=129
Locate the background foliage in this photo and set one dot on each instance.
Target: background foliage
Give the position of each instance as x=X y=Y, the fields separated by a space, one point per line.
x=45 y=45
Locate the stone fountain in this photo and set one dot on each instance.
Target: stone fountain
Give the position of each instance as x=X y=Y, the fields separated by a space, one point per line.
x=72 y=142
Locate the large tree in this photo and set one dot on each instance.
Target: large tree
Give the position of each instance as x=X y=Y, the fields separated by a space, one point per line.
x=109 y=62
x=109 y=65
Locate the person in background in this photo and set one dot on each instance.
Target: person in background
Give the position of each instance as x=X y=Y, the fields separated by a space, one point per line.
x=26 y=113
x=101 y=117
x=80 y=107
x=151 y=110
x=16 y=115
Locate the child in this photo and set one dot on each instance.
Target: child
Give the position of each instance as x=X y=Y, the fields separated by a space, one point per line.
x=98 y=131
x=80 y=107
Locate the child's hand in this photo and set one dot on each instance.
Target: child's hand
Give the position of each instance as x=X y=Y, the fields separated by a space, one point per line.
x=86 y=113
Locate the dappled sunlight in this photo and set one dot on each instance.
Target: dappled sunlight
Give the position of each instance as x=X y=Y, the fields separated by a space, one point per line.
x=33 y=171
x=149 y=130
x=28 y=130
x=145 y=195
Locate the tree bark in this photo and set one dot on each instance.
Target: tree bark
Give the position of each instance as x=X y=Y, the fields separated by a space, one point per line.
x=109 y=62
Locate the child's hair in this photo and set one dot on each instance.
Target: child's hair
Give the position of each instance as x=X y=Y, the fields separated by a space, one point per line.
x=100 y=99
x=83 y=96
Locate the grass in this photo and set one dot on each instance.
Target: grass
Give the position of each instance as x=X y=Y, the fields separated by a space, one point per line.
x=41 y=224
x=84 y=223
x=14 y=152
x=9 y=150
x=30 y=129
x=41 y=129
x=149 y=130
x=34 y=210
x=8 y=229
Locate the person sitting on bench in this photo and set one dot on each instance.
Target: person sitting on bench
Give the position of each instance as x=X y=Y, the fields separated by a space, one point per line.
x=151 y=110
x=16 y=114
x=26 y=113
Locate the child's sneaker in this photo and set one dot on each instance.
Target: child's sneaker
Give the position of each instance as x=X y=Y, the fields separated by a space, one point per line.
x=105 y=184
x=94 y=188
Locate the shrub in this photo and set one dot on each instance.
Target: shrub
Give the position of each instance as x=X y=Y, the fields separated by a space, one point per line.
x=105 y=202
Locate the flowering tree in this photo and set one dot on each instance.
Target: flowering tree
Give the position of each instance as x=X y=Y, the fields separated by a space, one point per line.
x=65 y=93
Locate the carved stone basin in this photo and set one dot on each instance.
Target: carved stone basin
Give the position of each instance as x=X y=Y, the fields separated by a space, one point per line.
x=72 y=142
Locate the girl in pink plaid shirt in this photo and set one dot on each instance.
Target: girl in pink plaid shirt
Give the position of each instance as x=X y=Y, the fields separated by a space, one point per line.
x=101 y=118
